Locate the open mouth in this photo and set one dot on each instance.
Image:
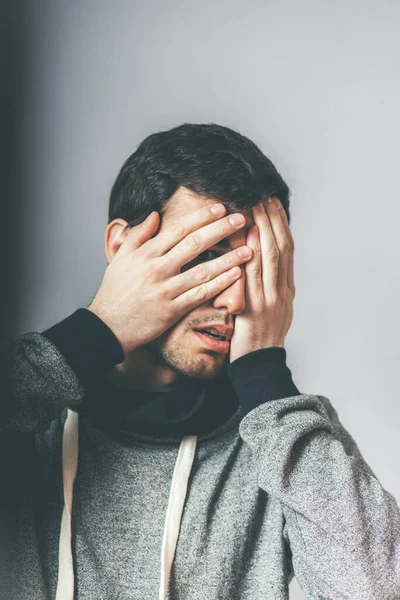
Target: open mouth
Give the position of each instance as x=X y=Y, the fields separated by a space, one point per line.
x=214 y=335
x=212 y=340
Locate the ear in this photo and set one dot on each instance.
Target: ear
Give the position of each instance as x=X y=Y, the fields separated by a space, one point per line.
x=115 y=233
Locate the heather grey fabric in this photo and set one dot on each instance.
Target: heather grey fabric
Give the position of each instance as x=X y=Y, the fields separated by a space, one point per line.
x=282 y=488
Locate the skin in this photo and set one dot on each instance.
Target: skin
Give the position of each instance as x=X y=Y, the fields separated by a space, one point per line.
x=269 y=287
x=267 y=277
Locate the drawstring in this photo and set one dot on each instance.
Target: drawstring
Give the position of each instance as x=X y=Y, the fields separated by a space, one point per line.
x=176 y=501
x=65 y=583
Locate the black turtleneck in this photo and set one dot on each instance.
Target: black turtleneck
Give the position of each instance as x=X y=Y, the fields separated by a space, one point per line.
x=193 y=408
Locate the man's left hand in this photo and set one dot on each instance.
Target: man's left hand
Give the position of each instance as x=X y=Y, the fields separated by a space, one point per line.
x=269 y=284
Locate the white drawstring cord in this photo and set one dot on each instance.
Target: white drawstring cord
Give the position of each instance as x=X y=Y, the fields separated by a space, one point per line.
x=65 y=583
x=176 y=502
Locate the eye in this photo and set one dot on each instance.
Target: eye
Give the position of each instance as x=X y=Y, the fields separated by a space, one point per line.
x=203 y=256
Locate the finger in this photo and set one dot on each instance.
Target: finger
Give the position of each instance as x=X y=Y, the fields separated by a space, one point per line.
x=139 y=234
x=274 y=214
x=178 y=229
x=254 y=289
x=200 y=294
x=198 y=241
x=290 y=273
x=269 y=250
x=206 y=271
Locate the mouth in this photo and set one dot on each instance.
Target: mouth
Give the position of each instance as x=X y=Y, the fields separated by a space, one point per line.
x=212 y=340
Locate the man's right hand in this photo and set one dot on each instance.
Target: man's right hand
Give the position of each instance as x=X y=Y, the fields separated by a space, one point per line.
x=143 y=292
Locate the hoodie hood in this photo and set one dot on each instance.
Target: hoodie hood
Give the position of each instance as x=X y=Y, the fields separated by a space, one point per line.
x=195 y=407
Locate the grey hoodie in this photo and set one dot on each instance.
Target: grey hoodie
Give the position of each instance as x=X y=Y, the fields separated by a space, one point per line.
x=280 y=489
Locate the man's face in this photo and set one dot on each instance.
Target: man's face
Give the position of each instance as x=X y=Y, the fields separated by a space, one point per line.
x=180 y=347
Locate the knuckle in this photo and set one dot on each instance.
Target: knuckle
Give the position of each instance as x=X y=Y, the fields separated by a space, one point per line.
x=200 y=293
x=177 y=228
x=255 y=270
x=273 y=254
x=193 y=243
x=285 y=245
x=283 y=293
x=188 y=274
x=157 y=268
x=222 y=228
x=202 y=272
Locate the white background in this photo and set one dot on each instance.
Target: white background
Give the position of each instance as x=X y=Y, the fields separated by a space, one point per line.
x=315 y=84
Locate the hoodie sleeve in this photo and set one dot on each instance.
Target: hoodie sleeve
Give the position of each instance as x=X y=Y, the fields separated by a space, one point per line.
x=342 y=526
x=42 y=373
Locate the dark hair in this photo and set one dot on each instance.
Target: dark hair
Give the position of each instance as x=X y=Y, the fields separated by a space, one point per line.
x=209 y=159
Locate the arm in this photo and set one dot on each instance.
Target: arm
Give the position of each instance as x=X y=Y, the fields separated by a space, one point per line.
x=343 y=527
x=42 y=373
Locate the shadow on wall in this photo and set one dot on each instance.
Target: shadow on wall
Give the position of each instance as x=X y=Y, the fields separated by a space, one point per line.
x=11 y=166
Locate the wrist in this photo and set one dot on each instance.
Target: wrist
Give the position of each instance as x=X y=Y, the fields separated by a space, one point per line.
x=110 y=322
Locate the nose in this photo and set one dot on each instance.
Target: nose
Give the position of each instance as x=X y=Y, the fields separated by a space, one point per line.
x=232 y=297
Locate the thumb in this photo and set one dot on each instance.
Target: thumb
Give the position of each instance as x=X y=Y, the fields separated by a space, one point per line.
x=139 y=234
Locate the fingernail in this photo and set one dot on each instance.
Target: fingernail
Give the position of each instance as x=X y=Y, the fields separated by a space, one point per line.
x=277 y=203
x=218 y=209
x=237 y=219
x=244 y=252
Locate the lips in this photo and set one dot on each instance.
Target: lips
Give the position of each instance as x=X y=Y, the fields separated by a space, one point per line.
x=217 y=345
x=222 y=330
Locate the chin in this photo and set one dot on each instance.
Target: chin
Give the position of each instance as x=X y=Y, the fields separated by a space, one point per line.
x=189 y=360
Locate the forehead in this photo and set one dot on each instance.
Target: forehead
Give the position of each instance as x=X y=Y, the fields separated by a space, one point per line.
x=184 y=202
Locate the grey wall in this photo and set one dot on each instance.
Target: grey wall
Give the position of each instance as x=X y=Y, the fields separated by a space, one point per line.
x=316 y=84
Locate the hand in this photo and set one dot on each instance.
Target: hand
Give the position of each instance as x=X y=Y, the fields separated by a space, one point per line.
x=143 y=291
x=269 y=285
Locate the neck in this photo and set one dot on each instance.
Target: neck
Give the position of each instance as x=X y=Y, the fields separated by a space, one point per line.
x=144 y=370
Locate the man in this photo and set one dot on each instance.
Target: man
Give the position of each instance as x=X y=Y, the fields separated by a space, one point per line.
x=159 y=443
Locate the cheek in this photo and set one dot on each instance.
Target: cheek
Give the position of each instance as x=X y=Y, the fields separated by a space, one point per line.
x=181 y=327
